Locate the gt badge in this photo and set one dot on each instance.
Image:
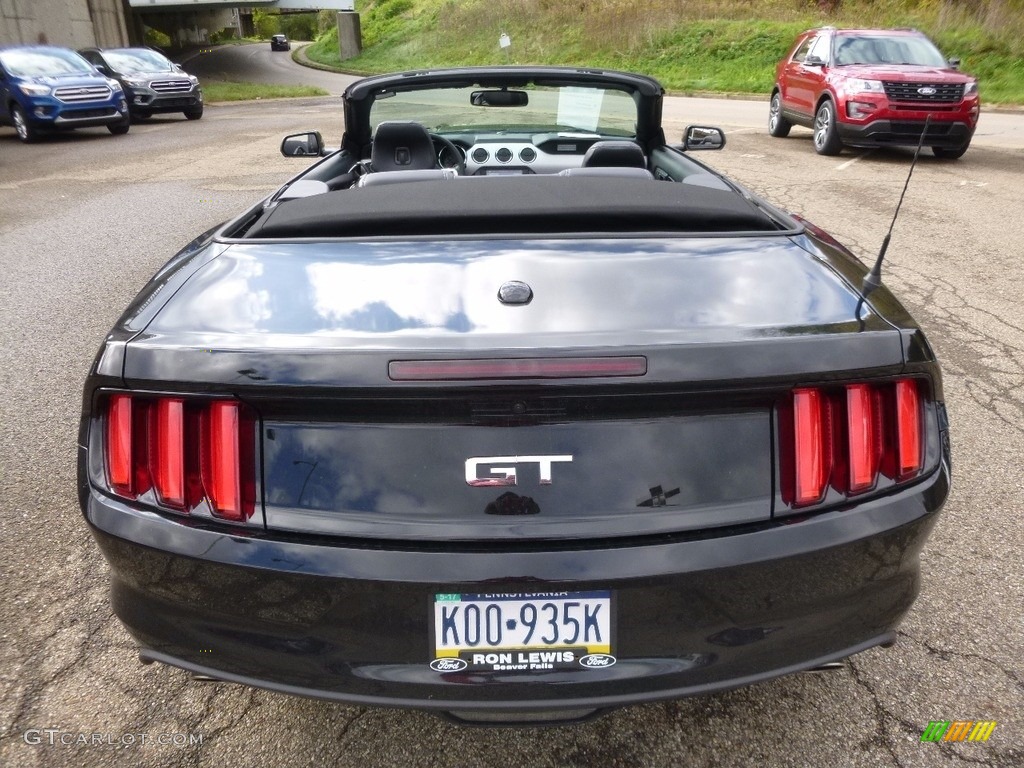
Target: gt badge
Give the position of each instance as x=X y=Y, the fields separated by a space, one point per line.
x=506 y=475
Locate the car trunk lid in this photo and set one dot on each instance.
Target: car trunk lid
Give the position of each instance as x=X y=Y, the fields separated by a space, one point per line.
x=306 y=334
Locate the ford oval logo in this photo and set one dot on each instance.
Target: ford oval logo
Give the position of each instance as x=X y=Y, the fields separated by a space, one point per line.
x=448 y=665
x=927 y=91
x=597 y=660
x=515 y=292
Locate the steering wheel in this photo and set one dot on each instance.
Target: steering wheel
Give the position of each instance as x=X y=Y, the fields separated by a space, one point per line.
x=454 y=150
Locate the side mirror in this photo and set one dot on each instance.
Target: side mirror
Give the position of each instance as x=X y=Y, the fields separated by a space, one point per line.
x=305 y=144
x=814 y=61
x=954 y=63
x=703 y=137
x=103 y=68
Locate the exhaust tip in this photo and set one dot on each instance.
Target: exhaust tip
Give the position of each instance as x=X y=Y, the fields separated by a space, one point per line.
x=146 y=658
x=831 y=666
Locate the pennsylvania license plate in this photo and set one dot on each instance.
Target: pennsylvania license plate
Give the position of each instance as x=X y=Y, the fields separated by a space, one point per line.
x=526 y=631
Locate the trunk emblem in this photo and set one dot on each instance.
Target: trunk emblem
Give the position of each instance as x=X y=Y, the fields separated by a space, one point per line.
x=506 y=475
x=515 y=292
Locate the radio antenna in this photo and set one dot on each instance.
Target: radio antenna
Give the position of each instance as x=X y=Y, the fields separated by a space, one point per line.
x=873 y=279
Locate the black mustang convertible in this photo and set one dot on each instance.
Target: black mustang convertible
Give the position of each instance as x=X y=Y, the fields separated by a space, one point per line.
x=511 y=410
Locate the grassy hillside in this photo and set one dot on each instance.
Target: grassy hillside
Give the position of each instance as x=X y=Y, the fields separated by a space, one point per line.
x=691 y=46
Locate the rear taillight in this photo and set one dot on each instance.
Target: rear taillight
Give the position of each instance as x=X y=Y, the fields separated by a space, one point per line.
x=189 y=453
x=221 y=459
x=863 y=446
x=847 y=439
x=167 y=433
x=119 y=444
x=908 y=429
x=812 y=437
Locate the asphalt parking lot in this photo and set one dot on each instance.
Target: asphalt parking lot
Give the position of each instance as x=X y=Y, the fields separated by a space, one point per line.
x=86 y=219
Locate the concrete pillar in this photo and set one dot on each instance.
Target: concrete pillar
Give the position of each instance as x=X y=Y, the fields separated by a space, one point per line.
x=72 y=23
x=350 y=36
x=109 y=28
x=17 y=23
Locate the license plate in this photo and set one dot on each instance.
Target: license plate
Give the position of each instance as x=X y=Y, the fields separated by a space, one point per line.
x=522 y=632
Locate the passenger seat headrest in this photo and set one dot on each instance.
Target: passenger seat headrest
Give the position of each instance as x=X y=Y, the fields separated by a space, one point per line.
x=615 y=154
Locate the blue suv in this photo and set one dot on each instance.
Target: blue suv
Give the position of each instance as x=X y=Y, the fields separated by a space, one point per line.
x=44 y=88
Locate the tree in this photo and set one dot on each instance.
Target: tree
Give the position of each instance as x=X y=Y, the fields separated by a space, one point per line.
x=265 y=23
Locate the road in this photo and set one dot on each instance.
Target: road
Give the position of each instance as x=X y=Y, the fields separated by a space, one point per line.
x=259 y=64
x=85 y=220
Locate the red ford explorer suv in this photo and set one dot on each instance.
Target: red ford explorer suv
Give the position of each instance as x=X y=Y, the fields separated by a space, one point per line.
x=871 y=88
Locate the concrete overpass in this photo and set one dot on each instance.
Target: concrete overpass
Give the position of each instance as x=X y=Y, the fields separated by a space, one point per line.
x=111 y=23
x=190 y=22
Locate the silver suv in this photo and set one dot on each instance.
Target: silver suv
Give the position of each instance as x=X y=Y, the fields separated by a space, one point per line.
x=152 y=83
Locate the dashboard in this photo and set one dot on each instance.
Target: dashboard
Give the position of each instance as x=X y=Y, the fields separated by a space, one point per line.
x=498 y=155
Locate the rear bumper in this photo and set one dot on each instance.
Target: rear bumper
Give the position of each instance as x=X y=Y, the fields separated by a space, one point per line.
x=566 y=709
x=351 y=623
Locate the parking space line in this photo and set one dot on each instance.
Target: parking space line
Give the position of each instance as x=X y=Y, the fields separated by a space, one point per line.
x=848 y=163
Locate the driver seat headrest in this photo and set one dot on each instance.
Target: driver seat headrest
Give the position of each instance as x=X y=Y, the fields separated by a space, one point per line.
x=402 y=146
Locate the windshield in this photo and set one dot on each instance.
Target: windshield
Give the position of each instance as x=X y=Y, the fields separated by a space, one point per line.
x=897 y=49
x=135 y=60
x=45 y=63
x=565 y=109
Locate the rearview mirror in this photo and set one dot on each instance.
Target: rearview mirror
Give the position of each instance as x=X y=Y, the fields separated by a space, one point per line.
x=303 y=144
x=703 y=137
x=499 y=98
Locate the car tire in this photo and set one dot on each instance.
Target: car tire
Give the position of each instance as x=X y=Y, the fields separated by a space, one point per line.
x=778 y=126
x=26 y=131
x=950 y=153
x=826 y=134
x=121 y=128
x=194 y=114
